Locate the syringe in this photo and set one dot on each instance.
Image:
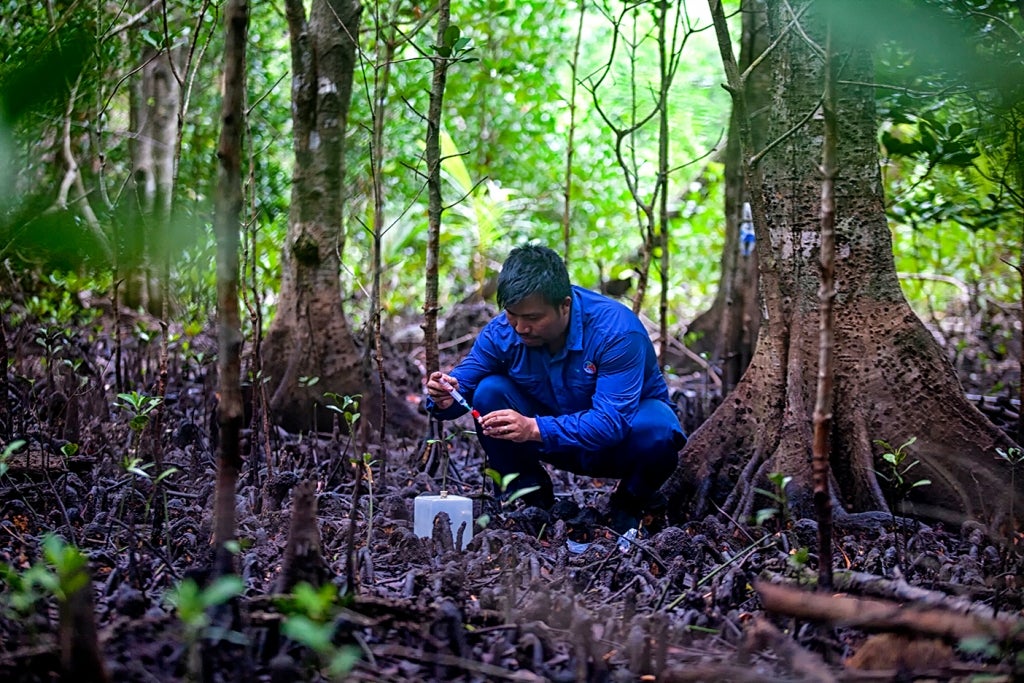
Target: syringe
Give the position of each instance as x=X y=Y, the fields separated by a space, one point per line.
x=459 y=399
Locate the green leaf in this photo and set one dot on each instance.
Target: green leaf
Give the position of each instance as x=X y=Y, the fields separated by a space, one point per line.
x=222 y=590
x=313 y=635
x=344 y=660
x=11 y=447
x=451 y=36
x=763 y=515
x=522 y=492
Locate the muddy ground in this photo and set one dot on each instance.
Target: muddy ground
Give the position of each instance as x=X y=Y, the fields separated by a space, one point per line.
x=532 y=595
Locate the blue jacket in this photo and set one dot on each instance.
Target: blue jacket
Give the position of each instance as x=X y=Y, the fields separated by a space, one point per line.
x=591 y=388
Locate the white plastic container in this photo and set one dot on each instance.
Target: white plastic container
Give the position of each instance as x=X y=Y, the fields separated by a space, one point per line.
x=459 y=509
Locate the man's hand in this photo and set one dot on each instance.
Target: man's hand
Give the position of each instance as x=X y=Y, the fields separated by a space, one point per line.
x=442 y=399
x=509 y=425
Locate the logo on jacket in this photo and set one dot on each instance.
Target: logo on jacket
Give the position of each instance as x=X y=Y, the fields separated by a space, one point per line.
x=589 y=368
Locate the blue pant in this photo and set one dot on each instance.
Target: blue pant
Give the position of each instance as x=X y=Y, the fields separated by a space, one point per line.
x=643 y=460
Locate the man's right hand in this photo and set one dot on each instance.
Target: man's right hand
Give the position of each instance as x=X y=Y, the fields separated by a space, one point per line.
x=437 y=392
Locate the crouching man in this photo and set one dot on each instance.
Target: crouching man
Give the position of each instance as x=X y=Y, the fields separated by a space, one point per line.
x=568 y=377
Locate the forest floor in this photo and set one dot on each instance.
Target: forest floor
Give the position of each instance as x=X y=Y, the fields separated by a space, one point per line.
x=533 y=595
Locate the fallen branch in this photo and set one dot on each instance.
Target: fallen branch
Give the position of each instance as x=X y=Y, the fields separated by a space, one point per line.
x=885 y=615
x=880 y=587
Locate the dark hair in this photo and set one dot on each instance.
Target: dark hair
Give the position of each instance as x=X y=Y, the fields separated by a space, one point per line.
x=533 y=270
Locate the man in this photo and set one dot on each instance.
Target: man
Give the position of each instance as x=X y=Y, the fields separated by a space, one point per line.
x=568 y=377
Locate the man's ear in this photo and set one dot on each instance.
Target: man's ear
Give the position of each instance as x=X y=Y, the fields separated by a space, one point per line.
x=566 y=305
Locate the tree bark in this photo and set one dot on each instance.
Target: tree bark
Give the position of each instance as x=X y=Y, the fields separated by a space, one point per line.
x=154 y=102
x=227 y=225
x=435 y=208
x=891 y=379
x=310 y=336
x=727 y=331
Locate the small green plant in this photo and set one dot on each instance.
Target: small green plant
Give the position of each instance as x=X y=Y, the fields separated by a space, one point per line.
x=140 y=408
x=192 y=603
x=310 y=620
x=897 y=465
x=140 y=469
x=60 y=574
x=798 y=558
x=365 y=467
x=779 y=482
x=1014 y=457
x=346 y=406
x=502 y=482
x=135 y=466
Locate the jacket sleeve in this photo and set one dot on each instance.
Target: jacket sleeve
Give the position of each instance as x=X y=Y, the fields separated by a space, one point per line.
x=616 y=400
x=485 y=358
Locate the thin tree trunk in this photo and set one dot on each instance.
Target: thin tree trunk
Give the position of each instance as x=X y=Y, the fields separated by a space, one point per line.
x=570 y=143
x=433 y=156
x=227 y=224
x=665 y=78
x=727 y=331
x=382 y=79
x=823 y=404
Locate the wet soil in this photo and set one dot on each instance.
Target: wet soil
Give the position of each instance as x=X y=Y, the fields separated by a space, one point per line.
x=527 y=595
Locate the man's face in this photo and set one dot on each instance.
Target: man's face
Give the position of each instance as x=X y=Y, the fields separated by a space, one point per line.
x=538 y=323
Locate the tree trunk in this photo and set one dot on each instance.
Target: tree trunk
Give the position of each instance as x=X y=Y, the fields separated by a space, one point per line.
x=154 y=103
x=228 y=224
x=891 y=379
x=727 y=331
x=310 y=336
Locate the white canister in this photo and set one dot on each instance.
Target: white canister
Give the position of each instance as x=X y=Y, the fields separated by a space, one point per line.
x=458 y=508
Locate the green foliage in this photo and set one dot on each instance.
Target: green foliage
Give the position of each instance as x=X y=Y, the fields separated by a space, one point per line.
x=191 y=603
x=502 y=482
x=951 y=122
x=896 y=466
x=346 y=406
x=139 y=408
x=60 y=574
x=991 y=648
x=310 y=620
x=138 y=468
x=798 y=558
x=780 y=482
x=504 y=135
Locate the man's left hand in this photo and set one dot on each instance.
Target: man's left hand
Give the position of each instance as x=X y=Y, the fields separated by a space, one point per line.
x=509 y=425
